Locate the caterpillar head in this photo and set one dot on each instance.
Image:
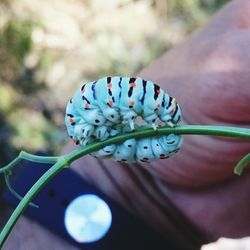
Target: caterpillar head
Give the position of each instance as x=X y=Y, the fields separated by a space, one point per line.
x=171 y=111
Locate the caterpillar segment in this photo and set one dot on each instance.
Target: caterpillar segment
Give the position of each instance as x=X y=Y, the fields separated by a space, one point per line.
x=125 y=152
x=152 y=104
x=108 y=91
x=130 y=106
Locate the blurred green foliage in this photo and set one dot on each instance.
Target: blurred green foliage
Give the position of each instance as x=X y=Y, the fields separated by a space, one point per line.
x=17 y=125
x=211 y=6
x=45 y=54
x=16 y=38
x=15 y=44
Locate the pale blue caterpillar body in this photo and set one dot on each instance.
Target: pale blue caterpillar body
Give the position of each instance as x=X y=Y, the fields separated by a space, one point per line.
x=110 y=105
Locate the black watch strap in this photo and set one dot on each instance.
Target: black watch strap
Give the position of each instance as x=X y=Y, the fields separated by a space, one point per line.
x=125 y=231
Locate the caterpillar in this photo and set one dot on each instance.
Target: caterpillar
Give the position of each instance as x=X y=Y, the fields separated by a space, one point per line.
x=110 y=105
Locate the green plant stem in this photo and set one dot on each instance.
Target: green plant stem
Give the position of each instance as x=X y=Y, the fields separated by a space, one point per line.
x=234 y=132
x=40 y=183
x=30 y=157
x=66 y=160
x=18 y=196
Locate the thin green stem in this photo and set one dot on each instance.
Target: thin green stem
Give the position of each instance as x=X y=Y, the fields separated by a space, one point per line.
x=234 y=132
x=11 y=165
x=18 y=196
x=40 y=183
x=30 y=157
x=38 y=158
x=65 y=160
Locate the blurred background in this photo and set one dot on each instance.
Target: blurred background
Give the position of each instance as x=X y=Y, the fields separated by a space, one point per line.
x=47 y=48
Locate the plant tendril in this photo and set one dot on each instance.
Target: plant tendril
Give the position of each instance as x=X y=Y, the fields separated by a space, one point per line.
x=7 y=174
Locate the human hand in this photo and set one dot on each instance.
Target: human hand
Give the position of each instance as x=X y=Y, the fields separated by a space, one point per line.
x=209 y=76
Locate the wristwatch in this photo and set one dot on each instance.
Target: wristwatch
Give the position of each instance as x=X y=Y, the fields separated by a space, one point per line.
x=75 y=210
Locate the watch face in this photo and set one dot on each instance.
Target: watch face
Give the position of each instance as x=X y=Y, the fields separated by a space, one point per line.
x=87 y=218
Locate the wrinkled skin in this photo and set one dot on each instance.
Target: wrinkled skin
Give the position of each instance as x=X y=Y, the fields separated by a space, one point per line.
x=209 y=76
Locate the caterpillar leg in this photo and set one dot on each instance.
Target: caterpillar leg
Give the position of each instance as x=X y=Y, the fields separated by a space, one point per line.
x=83 y=130
x=170 y=124
x=86 y=141
x=105 y=152
x=129 y=117
x=132 y=125
x=114 y=132
x=151 y=125
x=102 y=133
x=150 y=119
x=129 y=125
x=154 y=126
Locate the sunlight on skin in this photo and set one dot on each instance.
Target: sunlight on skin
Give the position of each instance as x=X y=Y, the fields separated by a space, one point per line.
x=228 y=244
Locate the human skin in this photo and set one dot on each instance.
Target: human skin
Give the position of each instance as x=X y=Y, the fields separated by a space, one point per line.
x=209 y=76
